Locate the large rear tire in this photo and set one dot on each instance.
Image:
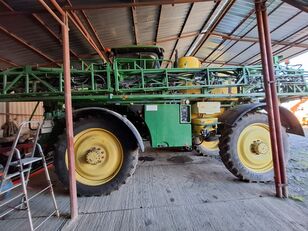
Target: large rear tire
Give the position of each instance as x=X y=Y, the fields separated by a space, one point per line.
x=245 y=148
x=104 y=157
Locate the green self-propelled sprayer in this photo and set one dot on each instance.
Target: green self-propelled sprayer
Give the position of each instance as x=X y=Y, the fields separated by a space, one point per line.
x=136 y=97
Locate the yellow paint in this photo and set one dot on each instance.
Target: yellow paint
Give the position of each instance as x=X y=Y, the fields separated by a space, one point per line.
x=210 y=145
x=98 y=156
x=199 y=124
x=254 y=148
x=189 y=62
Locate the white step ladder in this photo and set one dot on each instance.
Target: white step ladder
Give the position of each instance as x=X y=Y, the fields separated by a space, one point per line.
x=23 y=166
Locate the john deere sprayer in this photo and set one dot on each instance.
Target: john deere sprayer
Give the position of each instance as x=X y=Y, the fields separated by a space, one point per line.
x=134 y=98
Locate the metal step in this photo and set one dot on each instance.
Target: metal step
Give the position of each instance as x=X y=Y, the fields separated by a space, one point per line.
x=25 y=161
x=9 y=176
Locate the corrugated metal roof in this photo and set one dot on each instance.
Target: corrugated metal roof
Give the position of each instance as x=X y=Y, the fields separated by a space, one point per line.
x=115 y=27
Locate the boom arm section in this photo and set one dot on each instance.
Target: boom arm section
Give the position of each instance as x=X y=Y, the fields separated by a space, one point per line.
x=139 y=81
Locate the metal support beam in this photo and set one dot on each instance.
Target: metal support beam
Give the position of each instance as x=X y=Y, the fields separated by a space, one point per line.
x=134 y=21
x=158 y=23
x=51 y=32
x=275 y=100
x=222 y=53
x=221 y=8
x=129 y=4
x=218 y=62
x=7 y=6
x=69 y=119
x=78 y=24
x=256 y=40
x=95 y=33
x=300 y=4
x=51 y=12
x=41 y=23
x=272 y=31
x=231 y=33
x=181 y=31
x=68 y=111
x=101 y=52
x=286 y=46
x=296 y=54
x=224 y=37
x=26 y=44
x=271 y=99
x=9 y=62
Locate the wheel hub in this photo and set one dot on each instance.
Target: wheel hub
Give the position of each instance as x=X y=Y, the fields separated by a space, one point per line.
x=95 y=156
x=258 y=147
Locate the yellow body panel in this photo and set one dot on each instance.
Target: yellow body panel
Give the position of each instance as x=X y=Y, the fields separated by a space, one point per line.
x=206 y=107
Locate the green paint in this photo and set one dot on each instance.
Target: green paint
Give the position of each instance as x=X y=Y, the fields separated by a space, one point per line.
x=166 y=129
x=137 y=80
x=297 y=198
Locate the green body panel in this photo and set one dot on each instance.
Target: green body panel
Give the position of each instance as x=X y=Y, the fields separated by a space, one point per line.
x=165 y=125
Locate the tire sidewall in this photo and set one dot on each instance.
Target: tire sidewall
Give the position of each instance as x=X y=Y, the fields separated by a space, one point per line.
x=246 y=173
x=113 y=184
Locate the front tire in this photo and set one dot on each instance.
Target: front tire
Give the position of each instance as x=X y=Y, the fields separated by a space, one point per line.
x=245 y=148
x=104 y=156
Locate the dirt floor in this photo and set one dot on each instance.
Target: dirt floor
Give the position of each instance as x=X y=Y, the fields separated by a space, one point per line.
x=177 y=190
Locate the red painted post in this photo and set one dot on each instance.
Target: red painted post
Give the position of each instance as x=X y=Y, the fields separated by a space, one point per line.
x=269 y=101
x=274 y=100
x=69 y=118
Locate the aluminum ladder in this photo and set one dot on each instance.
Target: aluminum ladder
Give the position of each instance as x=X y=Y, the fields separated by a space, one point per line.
x=23 y=166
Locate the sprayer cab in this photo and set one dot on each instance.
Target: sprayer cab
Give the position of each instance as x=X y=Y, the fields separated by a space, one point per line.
x=147 y=57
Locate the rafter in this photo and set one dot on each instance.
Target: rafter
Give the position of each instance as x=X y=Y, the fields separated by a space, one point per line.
x=231 y=33
x=281 y=42
x=42 y=23
x=225 y=37
x=220 y=10
x=296 y=54
x=219 y=63
x=9 y=62
x=256 y=40
x=181 y=31
x=158 y=23
x=52 y=33
x=282 y=49
x=26 y=44
x=272 y=31
x=244 y=34
x=80 y=26
x=134 y=21
x=300 y=4
x=94 y=32
x=130 y=4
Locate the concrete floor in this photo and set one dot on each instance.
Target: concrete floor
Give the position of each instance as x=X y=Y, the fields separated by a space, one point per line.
x=199 y=194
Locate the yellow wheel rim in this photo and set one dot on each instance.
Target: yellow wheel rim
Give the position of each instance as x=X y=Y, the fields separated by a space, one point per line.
x=254 y=148
x=98 y=156
x=210 y=145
